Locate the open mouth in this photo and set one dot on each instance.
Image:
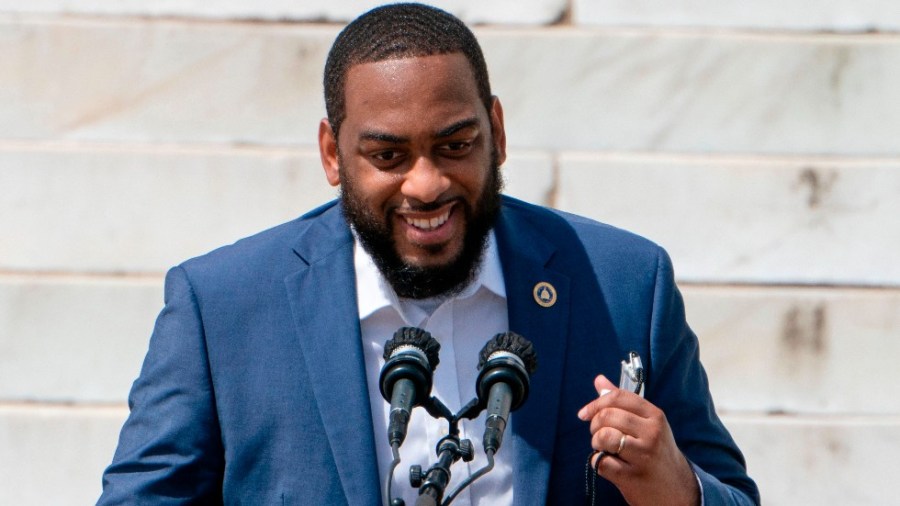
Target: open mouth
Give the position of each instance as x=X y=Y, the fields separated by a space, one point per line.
x=428 y=229
x=427 y=224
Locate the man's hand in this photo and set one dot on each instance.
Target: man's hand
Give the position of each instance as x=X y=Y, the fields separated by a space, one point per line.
x=646 y=466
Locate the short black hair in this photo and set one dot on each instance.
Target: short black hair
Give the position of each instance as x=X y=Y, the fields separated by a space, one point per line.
x=397 y=31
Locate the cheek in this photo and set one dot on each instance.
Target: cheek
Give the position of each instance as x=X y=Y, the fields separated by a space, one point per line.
x=376 y=189
x=468 y=177
x=384 y=192
x=477 y=182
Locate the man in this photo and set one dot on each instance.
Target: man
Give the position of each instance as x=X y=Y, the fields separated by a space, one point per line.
x=261 y=382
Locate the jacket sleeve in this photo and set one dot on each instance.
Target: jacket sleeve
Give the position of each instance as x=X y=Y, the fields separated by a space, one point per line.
x=678 y=385
x=170 y=449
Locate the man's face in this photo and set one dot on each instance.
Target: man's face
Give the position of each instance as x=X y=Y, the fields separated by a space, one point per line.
x=417 y=158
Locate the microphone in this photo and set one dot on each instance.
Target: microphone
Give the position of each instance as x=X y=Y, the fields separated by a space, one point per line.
x=405 y=380
x=505 y=362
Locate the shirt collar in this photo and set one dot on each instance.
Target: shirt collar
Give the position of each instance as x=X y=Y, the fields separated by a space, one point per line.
x=373 y=292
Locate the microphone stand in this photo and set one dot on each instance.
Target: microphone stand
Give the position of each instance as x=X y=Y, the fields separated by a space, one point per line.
x=450 y=449
x=471 y=411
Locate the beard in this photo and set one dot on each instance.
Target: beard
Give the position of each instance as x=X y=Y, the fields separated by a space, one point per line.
x=422 y=282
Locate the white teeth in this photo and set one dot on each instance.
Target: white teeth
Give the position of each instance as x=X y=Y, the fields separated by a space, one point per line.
x=431 y=224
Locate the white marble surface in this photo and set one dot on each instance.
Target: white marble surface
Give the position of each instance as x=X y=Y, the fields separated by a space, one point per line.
x=144 y=210
x=749 y=221
x=74 y=339
x=161 y=81
x=698 y=92
x=843 y=15
x=525 y=12
x=530 y=176
x=832 y=461
x=166 y=81
x=55 y=454
x=799 y=350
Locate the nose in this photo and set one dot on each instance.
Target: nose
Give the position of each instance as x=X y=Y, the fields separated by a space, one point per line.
x=425 y=182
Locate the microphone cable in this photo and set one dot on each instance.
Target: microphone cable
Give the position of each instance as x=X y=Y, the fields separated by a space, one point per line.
x=471 y=479
x=389 y=477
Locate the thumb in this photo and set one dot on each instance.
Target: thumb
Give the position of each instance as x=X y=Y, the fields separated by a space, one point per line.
x=603 y=385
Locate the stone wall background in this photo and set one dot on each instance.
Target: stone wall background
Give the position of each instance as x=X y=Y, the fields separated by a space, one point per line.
x=756 y=141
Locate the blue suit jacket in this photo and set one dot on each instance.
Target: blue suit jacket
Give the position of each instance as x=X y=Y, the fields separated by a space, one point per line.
x=254 y=390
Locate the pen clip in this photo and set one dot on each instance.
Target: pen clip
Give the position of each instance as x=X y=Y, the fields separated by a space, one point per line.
x=632 y=374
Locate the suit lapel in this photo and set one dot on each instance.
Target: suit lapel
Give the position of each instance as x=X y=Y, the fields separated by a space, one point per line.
x=525 y=254
x=323 y=304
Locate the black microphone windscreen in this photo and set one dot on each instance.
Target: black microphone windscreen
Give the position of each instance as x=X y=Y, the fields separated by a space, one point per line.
x=512 y=343
x=413 y=336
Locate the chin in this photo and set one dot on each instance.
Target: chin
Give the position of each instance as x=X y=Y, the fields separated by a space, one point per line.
x=431 y=256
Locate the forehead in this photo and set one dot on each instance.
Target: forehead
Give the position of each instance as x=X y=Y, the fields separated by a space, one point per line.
x=414 y=88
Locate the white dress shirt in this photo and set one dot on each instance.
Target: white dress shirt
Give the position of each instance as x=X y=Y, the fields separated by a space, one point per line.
x=462 y=325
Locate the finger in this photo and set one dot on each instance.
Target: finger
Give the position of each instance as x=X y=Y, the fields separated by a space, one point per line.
x=617 y=418
x=623 y=399
x=609 y=395
x=588 y=411
x=607 y=440
x=610 y=466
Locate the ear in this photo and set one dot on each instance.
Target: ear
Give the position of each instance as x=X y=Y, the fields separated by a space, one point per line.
x=497 y=130
x=328 y=151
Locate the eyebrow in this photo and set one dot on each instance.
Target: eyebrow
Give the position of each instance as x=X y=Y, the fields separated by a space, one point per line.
x=456 y=127
x=374 y=135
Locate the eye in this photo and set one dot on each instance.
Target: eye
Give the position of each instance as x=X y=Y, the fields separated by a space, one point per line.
x=387 y=155
x=456 y=147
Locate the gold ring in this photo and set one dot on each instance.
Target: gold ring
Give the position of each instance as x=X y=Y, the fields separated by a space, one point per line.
x=621 y=444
